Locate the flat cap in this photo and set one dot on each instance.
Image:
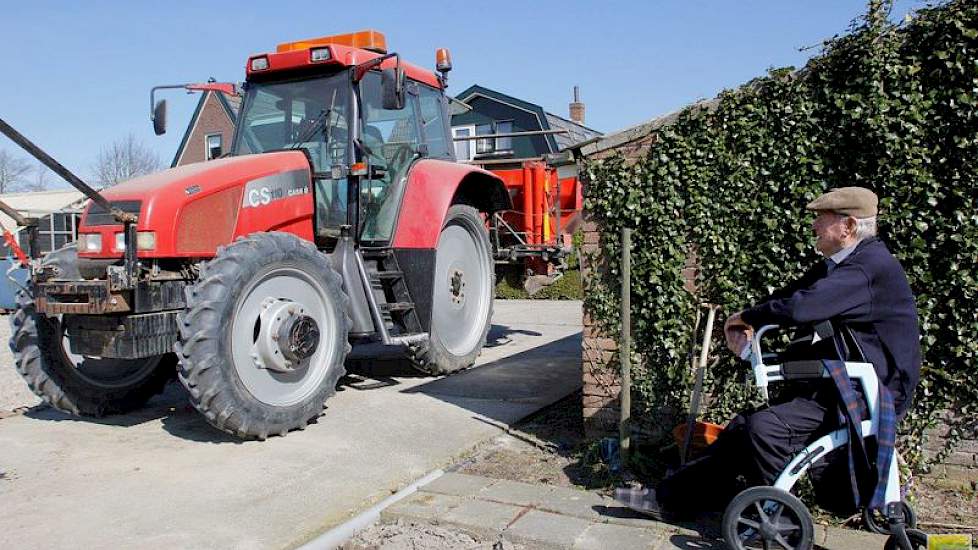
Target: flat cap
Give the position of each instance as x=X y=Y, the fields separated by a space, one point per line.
x=857 y=202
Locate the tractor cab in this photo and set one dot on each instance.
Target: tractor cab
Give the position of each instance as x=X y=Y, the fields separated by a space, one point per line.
x=361 y=116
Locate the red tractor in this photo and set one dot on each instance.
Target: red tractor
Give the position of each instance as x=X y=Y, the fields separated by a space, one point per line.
x=339 y=218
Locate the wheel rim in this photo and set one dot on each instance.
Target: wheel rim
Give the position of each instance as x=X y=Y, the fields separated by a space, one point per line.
x=770 y=524
x=100 y=372
x=277 y=387
x=462 y=288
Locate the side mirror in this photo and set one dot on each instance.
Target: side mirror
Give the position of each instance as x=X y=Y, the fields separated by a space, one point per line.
x=159 y=117
x=392 y=86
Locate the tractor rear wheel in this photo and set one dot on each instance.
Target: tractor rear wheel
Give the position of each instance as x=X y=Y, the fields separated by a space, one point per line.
x=264 y=336
x=80 y=385
x=462 y=297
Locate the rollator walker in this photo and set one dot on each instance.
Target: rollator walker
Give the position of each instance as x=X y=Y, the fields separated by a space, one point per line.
x=770 y=516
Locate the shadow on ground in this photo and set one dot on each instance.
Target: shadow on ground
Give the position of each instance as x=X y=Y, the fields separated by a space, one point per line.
x=171 y=408
x=490 y=390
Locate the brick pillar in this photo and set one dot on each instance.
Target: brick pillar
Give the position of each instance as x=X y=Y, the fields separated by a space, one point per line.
x=601 y=382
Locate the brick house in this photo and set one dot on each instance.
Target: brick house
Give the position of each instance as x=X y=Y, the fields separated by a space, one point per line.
x=211 y=128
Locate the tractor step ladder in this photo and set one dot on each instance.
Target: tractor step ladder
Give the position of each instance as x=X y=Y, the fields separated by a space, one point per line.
x=392 y=294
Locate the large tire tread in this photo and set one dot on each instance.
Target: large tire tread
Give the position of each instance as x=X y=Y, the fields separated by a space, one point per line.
x=431 y=357
x=37 y=359
x=204 y=371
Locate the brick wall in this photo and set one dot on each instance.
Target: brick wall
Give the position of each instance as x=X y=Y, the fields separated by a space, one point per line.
x=212 y=119
x=961 y=465
x=601 y=382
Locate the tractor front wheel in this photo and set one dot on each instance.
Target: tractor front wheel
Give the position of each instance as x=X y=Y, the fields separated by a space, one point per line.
x=264 y=336
x=80 y=385
x=462 y=297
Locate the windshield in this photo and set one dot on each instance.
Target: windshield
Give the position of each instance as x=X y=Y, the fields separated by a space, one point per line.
x=309 y=113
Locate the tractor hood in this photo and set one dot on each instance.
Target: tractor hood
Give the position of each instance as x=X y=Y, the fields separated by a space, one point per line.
x=193 y=209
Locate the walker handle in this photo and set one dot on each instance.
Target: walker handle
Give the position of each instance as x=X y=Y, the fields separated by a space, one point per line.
x=757 y=360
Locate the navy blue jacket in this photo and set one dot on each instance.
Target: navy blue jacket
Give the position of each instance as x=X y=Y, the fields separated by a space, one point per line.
x=869 y=293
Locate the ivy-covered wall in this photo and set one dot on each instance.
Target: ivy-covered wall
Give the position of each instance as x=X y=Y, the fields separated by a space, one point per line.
x=892 y=107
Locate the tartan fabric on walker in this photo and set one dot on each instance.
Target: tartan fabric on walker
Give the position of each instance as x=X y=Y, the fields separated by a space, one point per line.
x=851 y=412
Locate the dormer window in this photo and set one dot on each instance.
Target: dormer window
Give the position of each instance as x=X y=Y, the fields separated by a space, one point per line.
x=214 y=146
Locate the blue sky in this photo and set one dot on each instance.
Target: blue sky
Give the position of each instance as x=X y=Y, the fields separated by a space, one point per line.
x=76 y=75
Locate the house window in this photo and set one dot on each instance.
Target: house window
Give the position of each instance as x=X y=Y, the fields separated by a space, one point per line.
x=497 y=145
x=214 y=148
x=504 y=143
x=483 y=145
x=463 y=148
x=53 y=232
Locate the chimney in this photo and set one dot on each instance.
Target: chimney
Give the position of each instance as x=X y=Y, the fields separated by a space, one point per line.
x=577 y=108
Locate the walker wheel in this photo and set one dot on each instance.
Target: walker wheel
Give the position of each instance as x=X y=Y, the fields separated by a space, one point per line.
x=918 y=541
x=877 y=523
x=765 y=517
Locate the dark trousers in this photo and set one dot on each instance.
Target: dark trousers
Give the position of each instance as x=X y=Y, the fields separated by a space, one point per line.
x=752 y=450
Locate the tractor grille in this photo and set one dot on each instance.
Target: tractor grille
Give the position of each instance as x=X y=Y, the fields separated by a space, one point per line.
x=99 y=216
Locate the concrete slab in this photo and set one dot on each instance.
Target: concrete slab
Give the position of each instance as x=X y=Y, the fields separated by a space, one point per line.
x=163 y=478
x=421 y=507
x=482 y=518
x=544 y=530
x=603 y=536
x=834 y=538
x=462 y=485
x=576 y=503
x=514 y=492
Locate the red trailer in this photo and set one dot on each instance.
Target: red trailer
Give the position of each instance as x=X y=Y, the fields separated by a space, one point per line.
x=547 y=203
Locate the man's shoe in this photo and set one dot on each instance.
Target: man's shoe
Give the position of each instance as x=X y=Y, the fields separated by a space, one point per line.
x=641 y=500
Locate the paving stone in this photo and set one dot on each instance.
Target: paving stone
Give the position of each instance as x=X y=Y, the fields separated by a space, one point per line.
x=514 y=492
x=580 y=504
x=834 y=538
x=538 y=529
x=603 y=536
x=421 y=506
x=462 y=485
x=480 y=517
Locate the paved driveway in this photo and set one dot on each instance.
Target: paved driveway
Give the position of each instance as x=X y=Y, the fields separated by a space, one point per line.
x=162 y=478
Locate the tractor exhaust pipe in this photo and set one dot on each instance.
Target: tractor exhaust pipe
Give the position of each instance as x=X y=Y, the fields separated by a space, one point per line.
x=57 y=168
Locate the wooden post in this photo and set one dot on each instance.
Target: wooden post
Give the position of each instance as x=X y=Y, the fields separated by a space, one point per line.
x=699 y=370
x=625 y=346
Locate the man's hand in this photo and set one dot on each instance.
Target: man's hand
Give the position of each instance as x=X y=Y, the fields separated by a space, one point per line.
x=738 y=333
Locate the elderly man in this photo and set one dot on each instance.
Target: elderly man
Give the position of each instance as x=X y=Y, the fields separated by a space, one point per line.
x=859 y=284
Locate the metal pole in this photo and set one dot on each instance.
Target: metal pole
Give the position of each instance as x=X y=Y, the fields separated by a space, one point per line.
x=625 y=348
x=60 y=170
x=509 y=134
x=18 y=219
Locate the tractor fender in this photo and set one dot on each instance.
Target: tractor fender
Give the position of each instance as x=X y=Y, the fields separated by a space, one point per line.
x=433 y=186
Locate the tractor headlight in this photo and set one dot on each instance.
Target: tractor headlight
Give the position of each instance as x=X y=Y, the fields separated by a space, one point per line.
x=145 y=240
x=89 y=242
x=319 y=54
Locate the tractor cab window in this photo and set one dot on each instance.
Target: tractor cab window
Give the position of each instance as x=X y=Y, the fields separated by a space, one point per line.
x=309 y=114
x=434 y=122
x=391 y=142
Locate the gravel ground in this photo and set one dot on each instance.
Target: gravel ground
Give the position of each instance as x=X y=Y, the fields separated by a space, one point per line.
x=421 y=536
x=14 y=393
